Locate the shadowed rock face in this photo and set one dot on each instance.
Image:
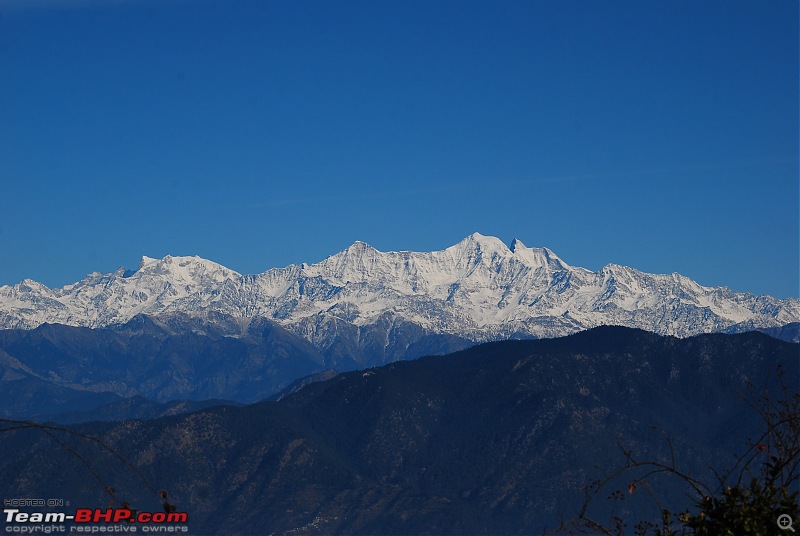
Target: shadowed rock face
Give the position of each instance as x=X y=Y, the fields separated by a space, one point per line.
x=499 y=438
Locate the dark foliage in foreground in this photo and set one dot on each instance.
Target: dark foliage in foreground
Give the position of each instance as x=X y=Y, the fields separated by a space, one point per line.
x=500 y=438
x=752 y=497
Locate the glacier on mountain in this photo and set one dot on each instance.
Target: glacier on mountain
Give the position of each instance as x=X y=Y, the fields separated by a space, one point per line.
x=479 y=289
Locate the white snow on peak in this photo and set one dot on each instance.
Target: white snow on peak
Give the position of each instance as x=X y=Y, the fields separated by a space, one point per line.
x=488 y=243
x=146 y=261
x=540 y=258
x=184 y=268
x=516 y=244
x=33 y=285
x=478 y=288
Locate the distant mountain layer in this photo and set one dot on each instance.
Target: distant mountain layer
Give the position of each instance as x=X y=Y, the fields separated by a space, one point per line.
x=365 y=302
x=56 y=368
x=497 y=439
x=66 y=369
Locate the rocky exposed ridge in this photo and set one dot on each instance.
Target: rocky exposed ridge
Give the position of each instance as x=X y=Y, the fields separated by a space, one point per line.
x=478 y=289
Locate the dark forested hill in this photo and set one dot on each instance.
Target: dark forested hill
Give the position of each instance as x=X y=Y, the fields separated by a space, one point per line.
x=500 y=438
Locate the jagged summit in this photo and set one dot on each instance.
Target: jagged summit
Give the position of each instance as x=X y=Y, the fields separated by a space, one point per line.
x=146 y=261
x=186 y=268
x=477 y=289
x=482 y=242
x=356 y=248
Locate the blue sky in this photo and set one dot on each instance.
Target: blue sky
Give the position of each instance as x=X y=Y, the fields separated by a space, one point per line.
x=658 y=134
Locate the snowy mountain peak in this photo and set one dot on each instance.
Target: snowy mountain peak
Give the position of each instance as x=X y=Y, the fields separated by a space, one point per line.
x=477 y=289
x=531 y=257
x=146 y=261
x=357 y=263
x=482 y=242
x=192 y=268
x=30 y=285
x=357 y=249
x=537 y=257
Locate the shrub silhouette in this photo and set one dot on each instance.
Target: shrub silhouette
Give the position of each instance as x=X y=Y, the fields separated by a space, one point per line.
x=749 y=498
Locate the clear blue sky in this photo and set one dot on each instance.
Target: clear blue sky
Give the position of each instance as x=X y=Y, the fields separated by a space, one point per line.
x=657 y=134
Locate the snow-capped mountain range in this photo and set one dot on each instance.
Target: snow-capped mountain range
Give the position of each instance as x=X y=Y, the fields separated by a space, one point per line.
x=479 y=289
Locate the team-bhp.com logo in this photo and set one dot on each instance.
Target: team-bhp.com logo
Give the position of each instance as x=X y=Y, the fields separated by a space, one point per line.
x=87 y=520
